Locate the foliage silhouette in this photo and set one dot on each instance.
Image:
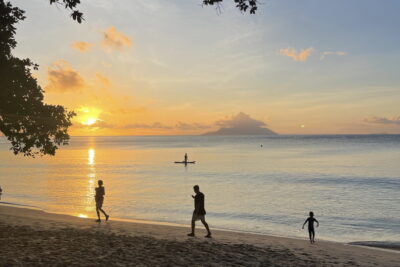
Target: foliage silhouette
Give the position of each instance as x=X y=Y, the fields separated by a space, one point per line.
x=242 y=5
x=70 y=4
x=31 y=126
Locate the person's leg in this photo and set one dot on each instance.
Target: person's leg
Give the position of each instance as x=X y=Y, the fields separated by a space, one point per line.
x=105 y=214
x=206 y=226
x=98 y=213
x=313 y=235
x=310 y=235
x=193 y=226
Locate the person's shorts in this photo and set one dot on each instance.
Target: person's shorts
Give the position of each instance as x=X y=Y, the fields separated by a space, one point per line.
x=198 y=217
x=99 y=202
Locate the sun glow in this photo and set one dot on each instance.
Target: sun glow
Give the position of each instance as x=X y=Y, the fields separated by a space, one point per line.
x=90 y=121
x=82 y=216
x=88 y=116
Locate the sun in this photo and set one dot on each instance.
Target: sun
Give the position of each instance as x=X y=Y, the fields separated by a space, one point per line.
x=88 y=115
x=90 y=121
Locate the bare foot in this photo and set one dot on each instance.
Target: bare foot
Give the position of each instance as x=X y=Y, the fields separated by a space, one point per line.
x=98 y=220
x=107 y=216
x=191 y=234
x=208 y=236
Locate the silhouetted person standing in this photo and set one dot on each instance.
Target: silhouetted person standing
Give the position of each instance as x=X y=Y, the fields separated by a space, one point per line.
x=186 y=157
x=99 y=197
x=199 y=212
x=311 y=232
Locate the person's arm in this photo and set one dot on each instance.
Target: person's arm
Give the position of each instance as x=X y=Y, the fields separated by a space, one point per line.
x=304 y=224
x=317 y=222
x=196 y=205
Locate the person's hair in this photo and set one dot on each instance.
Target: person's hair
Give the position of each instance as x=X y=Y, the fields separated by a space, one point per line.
x=311 y=214
x=196 y=187
x=100 y=182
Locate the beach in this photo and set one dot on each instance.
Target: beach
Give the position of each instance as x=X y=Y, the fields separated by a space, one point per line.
x=30 y=237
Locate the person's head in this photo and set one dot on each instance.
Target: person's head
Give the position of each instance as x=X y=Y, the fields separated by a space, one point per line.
x=311 y=214
x=196 y=189
x=100 y=182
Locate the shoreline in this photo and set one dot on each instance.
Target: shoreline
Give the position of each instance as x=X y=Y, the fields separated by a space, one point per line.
x=368 y=244
x=228 y=247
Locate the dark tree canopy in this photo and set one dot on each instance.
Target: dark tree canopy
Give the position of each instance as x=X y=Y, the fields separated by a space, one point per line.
x=242 y=5
x=31 y=126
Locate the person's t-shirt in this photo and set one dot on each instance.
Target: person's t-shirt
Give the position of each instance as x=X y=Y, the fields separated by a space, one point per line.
x=199 y=204
x=99 y=192
x=311 y=221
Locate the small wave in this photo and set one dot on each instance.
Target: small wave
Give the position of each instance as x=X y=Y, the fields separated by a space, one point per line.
x=19 y=205
x=378 y=244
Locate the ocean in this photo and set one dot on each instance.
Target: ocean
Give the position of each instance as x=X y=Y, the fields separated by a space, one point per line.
x=259 y=184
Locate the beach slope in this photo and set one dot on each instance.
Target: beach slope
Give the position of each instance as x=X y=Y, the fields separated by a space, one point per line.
x=33 y=237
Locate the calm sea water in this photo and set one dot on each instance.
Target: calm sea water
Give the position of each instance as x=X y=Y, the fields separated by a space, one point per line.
x=352 y=183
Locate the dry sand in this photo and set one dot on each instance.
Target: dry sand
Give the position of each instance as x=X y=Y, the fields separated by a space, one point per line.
x=33 y=237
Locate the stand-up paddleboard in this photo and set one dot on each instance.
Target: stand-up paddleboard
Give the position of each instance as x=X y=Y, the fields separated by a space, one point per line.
x=185 y=162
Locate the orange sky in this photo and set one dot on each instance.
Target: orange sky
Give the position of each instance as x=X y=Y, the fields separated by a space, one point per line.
x=177 y=68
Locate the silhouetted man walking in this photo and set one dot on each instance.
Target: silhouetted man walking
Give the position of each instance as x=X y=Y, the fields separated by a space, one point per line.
x=199 y=212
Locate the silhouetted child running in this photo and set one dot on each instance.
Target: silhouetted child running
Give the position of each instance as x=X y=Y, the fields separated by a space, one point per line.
x=99 y=197
x=311 y=230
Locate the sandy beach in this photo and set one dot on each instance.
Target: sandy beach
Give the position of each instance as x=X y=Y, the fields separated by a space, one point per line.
x=33 y=237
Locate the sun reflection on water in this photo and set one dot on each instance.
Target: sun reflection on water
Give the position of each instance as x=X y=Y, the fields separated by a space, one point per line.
x=89 y=205
x=91 y=155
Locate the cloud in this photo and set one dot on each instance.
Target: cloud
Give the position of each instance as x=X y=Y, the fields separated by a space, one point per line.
x=155 y=125
x=241 y=124
x=115 y=40
x=152 y=126
x=382 y=120
x=240 y=120
x=191 y=126
x=82 y=47
x=336 y=53
x=103 y=79
x=62 y=78
x=300 y=56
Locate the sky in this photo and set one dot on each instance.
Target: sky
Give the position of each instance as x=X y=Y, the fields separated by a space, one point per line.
x=175 y=67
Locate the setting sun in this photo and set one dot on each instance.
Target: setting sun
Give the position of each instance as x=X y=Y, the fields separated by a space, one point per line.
x=89 y=121
x=88 y=115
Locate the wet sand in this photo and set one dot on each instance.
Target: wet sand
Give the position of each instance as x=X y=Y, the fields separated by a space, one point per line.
x=33 y=237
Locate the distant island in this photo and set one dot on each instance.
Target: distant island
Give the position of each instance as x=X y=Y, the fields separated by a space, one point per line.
x=241 y=124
